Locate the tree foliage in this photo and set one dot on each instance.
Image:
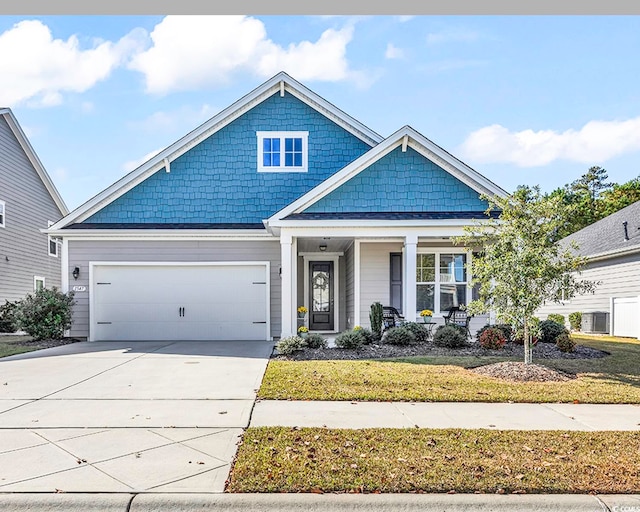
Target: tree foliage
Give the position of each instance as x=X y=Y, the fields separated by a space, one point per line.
x=591 y=198
x=519 y=265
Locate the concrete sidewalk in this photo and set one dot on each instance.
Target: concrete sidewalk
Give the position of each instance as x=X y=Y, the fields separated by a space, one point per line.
x=504 y=416
x=317 y=503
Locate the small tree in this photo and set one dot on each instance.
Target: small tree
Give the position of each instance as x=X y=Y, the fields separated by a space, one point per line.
x=45 y=314
x=519 y=265
x=376 y=318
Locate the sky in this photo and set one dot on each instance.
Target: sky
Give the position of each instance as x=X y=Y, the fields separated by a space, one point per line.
x=524 y=100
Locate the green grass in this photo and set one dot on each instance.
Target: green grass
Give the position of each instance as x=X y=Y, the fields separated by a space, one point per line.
x=279 y=459
x=611 y=379
x=10 y=345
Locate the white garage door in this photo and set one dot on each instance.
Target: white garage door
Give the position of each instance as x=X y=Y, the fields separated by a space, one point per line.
x=179 y=302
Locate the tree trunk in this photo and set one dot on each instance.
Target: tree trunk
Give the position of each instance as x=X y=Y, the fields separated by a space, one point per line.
x=527 y=344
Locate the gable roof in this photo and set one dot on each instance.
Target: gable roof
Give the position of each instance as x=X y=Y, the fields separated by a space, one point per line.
x=280 y=83
x=20 y=136
x=404 y=137
x=606 y=238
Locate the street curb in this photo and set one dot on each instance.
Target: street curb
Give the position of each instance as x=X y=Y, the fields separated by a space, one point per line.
x=220 y=502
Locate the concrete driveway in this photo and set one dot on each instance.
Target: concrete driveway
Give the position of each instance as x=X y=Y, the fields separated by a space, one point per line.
x=126 y=417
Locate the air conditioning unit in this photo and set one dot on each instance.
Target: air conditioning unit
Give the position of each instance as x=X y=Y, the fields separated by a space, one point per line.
x=596 y=322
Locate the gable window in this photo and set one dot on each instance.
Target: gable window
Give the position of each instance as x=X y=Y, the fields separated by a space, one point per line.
x=282 y=151
x=441 y=280
x=2 y=210
x=38 y=283
x=53 y=243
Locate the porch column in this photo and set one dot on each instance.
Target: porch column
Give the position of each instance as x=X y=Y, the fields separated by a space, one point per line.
x=410 y=250
x=286 y=281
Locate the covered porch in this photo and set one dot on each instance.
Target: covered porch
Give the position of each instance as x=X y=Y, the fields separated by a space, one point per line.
x=336 y=273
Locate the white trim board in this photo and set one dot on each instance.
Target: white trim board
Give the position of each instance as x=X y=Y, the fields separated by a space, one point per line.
x=216 y=123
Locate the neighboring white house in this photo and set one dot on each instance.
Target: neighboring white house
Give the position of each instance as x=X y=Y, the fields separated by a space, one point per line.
x=612 y=246
x=280 y=200
x=29 y=203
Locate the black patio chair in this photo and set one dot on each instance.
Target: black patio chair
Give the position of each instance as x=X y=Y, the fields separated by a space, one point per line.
x=457 y=316
x=391 y=317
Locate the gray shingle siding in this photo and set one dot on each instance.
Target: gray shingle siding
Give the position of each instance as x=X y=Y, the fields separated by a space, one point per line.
x=24 y=251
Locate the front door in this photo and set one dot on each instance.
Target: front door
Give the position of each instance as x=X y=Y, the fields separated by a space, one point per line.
x=321 y=296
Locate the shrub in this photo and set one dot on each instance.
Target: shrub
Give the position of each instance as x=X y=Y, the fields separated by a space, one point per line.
x=7 y=317
x=534 y=331
x=559 y=319
x=550 y=330
x=349 y=339
x=399 y=336
x=289 y=345
x=376 y=317
x=45 y=314
x=449 y=336
x=481 y=330
x=419 y=331
x=575 y=320
x=367 y=335
x=315 y=340
x=492 y=338
x=565 y=343
x=507 y=331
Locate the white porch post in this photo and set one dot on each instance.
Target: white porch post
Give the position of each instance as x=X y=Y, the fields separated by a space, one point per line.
x=410 y=251
x=286 y=281
x=356 y=283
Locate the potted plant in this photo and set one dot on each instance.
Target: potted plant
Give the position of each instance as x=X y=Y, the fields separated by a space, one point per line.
x=426 y=315
x=303 y=330
x=302 y=312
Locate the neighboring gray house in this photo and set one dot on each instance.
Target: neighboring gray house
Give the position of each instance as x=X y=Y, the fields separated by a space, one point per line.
x=612 y=246
x=29 y=203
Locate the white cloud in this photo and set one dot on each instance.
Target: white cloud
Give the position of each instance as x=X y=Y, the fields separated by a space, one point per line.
x=192 y=52
x=393 y=52
x=452 y=36
x=169 y=120
x=596 y=141
x=405 y=18
x=38 y=68
x=130 y=165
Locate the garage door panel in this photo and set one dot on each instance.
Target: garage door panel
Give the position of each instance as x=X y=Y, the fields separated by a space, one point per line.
x=159 y=302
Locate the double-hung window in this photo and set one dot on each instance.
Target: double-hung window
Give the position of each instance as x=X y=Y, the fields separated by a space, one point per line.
x=441 y=280
x=53 y=243
x=282 y=151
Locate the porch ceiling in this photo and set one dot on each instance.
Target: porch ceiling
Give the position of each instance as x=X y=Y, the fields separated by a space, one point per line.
x=334 y=244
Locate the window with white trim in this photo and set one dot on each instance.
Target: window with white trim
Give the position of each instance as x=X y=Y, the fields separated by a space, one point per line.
x=441 y=280
x=52 y=242
x=282 y=151
x=38 y=283
x=2 y=213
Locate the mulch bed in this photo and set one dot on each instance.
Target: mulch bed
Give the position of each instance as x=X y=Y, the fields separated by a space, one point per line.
x=521 y=372
x=541 y=351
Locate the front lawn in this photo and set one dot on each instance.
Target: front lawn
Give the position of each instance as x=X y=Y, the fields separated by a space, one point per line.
x=12 y=345
x=279 y=459
x=611 y=379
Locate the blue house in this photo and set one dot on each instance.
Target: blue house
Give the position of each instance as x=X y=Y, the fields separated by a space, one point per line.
x=281 y=200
